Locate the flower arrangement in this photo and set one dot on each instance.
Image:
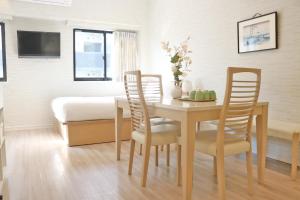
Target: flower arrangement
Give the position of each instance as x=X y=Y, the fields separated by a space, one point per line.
x=180 y=59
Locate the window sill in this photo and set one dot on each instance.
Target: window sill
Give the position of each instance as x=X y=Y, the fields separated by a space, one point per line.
x=92 y=79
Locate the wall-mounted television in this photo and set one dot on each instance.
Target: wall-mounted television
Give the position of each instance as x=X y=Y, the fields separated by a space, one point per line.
x=38 y=44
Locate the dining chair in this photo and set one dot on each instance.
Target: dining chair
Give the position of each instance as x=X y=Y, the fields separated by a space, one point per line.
x=153 y=92
x=142 y=130
x=233 y=135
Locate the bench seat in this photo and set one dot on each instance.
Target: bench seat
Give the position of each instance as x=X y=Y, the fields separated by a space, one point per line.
x=284 y=130
x=288 y=131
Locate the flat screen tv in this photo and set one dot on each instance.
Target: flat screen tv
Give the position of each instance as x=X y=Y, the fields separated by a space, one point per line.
x=38 y=44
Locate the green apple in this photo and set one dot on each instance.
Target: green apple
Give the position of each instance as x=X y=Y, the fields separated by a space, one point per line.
x=199 y=96
x=212 y=95
x=206 y=95
x=192 y=94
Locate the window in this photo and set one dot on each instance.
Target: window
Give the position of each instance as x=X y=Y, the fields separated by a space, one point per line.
x=2 y=53
x=92 y=55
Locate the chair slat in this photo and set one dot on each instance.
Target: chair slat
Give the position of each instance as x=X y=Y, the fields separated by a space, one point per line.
x=250 y=91
x=244 y=86
x=240 y=101
x=236 y=81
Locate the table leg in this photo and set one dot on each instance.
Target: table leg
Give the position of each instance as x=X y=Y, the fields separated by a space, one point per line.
x=261 y=134
x=118 y=128
x=188 y=147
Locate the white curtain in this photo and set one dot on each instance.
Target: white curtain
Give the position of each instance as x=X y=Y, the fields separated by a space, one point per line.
x=125 y=56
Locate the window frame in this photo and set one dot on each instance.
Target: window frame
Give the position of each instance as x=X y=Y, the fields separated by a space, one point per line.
x=4 y=78
x=105 y=78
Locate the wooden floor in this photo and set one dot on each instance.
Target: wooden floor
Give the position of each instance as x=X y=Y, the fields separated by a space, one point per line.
x=41 y=167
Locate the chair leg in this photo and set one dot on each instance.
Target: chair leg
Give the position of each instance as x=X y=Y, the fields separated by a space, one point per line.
x=198 y=125
x=215 y=166
x=168 y=155
x=179 y=176
x=249 y=171
x=132 y=146
x=221 y=177
x=146 y=154
x=162 y=148
x=141 y=149
x=156 y=155
x=295 y=150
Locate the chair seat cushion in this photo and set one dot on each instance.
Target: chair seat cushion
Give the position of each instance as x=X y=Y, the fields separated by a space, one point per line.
x=206 y=142
x=161 y=120
x=161 y=134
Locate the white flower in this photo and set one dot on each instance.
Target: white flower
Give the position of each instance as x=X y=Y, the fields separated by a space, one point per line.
x=187 y=58
x=184 y=46
x=165 y=45
x=180 y=54
x=184 y=74
x=174 y=69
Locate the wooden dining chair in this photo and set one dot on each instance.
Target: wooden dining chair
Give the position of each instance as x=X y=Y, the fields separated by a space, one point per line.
x=153 y=92
x=142 y=130
x=233 y=135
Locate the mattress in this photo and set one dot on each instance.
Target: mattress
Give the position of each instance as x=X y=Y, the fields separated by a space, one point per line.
x=68 y=109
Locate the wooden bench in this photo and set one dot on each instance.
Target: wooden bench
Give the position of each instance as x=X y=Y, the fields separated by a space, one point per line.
x=287 y=131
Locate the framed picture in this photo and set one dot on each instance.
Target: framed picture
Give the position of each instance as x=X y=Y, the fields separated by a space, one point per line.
x=258 y=33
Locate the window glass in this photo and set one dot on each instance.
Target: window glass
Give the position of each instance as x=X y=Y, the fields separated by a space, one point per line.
x=89 y=54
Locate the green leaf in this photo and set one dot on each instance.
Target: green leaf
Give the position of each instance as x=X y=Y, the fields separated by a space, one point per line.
x=175 y=58
x=178 y=73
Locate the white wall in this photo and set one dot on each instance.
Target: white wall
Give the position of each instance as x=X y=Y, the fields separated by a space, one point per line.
x=33 y=83
x=213 y=29
x=1 y=95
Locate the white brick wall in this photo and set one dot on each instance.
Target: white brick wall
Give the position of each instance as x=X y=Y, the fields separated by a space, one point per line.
x=32 y=83
x=213 y=29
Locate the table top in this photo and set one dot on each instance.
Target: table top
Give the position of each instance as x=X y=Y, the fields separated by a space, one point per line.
x=177 y=104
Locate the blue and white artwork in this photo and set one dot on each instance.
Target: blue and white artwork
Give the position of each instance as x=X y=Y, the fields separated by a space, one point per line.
x=1 y=55
x=258 y=33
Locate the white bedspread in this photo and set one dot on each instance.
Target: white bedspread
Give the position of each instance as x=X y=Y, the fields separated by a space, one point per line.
x=67 y=109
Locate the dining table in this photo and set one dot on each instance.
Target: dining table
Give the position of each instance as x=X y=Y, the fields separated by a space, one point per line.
x=189 y=113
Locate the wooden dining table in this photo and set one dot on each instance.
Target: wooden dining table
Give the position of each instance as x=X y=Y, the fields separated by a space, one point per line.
x=189 y=114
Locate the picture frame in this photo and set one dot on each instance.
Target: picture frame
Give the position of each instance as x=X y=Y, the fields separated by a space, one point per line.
x=3 y=75
x=258 y=33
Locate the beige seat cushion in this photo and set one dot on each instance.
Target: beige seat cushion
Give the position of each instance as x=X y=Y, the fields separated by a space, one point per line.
x=282 y=129
x=206 y=143
x=161 y=134
x=285 y=127
x=161 y=120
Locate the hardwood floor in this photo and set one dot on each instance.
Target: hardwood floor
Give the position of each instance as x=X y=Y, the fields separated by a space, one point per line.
x=42 y=167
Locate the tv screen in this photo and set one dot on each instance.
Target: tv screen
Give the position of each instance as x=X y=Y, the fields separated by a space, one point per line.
x=38 y=44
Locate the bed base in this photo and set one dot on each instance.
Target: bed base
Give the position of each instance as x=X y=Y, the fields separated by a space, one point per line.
x=92 y=132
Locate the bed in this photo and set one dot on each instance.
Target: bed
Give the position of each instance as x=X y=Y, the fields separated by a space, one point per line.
x=88 y=120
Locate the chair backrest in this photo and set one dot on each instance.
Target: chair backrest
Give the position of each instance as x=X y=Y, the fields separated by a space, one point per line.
x=139 y=113
x=242 y=91
x=152 y=87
